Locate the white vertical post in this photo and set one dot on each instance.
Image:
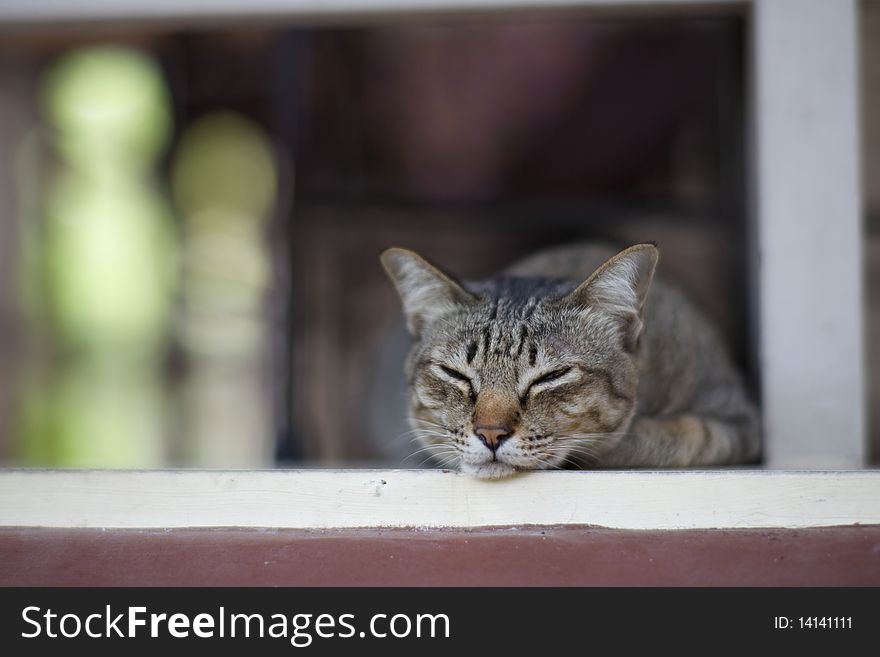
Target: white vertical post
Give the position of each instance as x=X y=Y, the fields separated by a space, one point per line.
x=809 y=231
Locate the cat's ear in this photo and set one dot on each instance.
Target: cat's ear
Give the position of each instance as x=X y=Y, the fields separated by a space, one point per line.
x=620 y=286
x=426 y=292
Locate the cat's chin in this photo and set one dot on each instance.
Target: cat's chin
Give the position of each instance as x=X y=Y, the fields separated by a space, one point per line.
x=489 y=470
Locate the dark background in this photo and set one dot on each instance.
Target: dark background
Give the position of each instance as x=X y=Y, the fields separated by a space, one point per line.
x=471 y=141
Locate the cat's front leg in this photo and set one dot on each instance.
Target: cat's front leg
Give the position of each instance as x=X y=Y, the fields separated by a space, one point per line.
x=685 y=440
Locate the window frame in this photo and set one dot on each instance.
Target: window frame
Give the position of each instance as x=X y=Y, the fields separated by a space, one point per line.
x=432 y=499
x=805 y=170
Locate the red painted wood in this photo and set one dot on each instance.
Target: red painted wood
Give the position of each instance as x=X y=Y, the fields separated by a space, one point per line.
x=550 y=556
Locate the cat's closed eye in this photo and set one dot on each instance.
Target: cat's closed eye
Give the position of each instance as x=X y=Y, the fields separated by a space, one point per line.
x=545 y=379
x=455 y=377
x=455 y=374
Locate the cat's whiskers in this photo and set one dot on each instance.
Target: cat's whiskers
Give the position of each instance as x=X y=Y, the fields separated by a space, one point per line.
x=569 y=461
x=422 y=432
x=566 y=447
x=423 y=436
x=441 y=456
x=577 y=443
x=556 y=458
x=574 y=441
x=427 y=423
x=610 y=434
x=430 y=430
x=434 y=447
x=449 y=460
x=582 y=450
x=567 y=457
x=433 y=451
x=574 y=448
x=545 y=463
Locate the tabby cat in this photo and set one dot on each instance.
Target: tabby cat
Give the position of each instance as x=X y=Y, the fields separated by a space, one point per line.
x=565 y=360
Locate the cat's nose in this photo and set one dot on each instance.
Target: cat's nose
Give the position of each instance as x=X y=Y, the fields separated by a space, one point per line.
x=493 y=435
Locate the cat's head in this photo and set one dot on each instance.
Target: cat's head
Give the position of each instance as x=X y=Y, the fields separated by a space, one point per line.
x=522 y=374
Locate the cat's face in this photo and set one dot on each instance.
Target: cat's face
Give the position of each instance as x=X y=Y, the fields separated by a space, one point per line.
x=521 y=374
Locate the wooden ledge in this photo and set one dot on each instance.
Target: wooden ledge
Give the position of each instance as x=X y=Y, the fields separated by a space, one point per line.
x=336 y=499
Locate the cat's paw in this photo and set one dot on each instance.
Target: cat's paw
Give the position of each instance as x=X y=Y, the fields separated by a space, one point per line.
x=488 y=470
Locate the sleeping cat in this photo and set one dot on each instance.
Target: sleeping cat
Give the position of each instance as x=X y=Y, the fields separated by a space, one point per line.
x=566 y=360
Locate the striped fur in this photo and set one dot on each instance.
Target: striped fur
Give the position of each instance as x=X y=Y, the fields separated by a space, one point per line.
x=566 y=360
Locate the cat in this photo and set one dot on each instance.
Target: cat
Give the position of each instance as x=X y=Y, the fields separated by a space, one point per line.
x=566 y=360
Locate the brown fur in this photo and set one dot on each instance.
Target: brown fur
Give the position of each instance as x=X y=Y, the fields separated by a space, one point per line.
x=569 y=352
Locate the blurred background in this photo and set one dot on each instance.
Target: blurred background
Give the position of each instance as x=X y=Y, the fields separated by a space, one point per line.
x=190 y=219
